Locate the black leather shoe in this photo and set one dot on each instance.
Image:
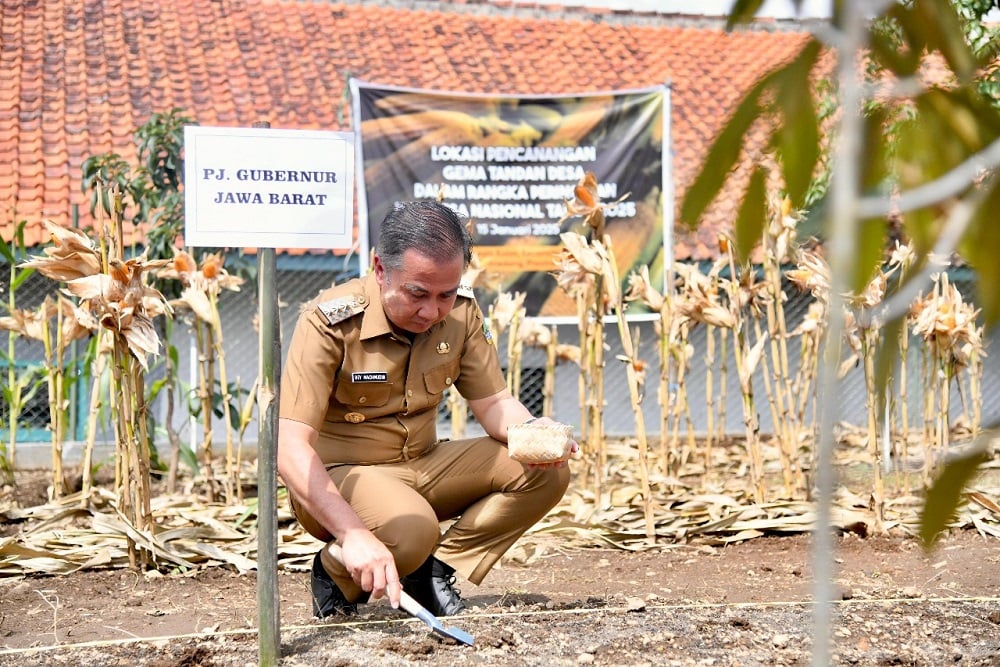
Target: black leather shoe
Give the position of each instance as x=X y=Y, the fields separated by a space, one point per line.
x=328 y=600
x=433 y=586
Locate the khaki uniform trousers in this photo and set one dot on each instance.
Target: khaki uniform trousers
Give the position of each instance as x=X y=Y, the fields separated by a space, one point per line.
x=494 y=498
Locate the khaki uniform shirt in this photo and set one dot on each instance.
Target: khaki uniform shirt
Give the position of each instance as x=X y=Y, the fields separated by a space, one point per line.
x=371 y=392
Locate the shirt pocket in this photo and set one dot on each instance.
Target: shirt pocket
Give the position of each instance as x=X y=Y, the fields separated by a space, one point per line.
x=364 y=394
x=439 y=378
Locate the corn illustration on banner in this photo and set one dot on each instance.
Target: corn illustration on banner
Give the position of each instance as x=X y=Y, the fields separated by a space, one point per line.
x=509 y=163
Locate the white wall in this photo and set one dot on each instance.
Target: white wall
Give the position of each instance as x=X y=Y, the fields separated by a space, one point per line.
x=782 y=9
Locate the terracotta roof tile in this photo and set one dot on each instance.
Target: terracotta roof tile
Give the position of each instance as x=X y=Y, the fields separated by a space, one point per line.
x=79 y=78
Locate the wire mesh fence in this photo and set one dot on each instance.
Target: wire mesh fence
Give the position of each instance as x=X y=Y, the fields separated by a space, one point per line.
x=301 y=279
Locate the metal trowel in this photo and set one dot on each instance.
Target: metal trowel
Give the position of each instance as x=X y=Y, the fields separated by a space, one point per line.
x=415 y=609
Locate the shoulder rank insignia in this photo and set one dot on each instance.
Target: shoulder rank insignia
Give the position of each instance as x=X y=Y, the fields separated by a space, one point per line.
x=466 y=291
x=340 y=309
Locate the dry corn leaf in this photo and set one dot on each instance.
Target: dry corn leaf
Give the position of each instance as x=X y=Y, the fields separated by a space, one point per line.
x=985 y=528
x=61 y=537
x=985 y=501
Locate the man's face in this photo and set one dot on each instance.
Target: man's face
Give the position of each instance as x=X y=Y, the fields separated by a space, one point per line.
x=421 y=293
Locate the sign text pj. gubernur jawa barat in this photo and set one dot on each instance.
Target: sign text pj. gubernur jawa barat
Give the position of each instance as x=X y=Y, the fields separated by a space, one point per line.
x=297 y=176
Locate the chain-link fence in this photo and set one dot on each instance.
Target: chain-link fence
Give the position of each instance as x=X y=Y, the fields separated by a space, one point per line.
x=299 y=279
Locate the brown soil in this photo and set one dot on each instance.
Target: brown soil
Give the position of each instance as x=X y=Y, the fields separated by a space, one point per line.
x=743 y=604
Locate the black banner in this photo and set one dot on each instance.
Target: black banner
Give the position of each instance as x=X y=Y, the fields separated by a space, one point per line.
x=509 y=164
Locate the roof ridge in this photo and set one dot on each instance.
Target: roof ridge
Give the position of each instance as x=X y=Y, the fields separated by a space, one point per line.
x=537 y=9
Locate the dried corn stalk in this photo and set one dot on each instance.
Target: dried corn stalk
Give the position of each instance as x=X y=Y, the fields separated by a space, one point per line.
x=37 y=324
x=954 y=342
x=114 y=297
x=202 y=287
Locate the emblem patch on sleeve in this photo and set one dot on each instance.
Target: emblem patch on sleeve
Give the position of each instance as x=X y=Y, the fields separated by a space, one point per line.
x=487 y=333
x=338 y=310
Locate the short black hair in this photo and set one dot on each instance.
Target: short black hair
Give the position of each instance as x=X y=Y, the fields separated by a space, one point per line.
x=433 y=229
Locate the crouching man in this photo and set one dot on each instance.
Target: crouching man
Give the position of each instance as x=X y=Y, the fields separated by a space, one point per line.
x=367 y=366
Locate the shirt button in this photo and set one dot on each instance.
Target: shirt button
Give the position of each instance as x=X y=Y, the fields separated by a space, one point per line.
x=409 y=392
x=363 y=399
x=447 y=380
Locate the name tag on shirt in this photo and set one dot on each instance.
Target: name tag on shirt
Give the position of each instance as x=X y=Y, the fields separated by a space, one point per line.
x=370 y=376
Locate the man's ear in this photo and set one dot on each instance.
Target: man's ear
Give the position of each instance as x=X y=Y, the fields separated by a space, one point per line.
x=378 y=269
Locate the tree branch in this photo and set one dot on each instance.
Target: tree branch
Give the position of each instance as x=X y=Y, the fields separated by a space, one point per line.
x=949 y=185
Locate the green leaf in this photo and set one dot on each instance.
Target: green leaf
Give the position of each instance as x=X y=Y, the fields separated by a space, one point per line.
x=886 y=355
x=743 y=11
x=784 y=81
x=922 y=227
x=189 y=458
x=7 y=253
x=887 y=52
x=751 y=219
x=981 y=246
x=155 y=388
x=872 y=236
x=962 y=113
x=22 y=275
x=15 y=248
x=943 y=32
x=798 y=138
x=926 y=147
x=874 y=161
x=945 y=492
x=722 y=156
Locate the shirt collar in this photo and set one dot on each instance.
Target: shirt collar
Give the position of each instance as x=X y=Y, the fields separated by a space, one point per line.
x=374 y=323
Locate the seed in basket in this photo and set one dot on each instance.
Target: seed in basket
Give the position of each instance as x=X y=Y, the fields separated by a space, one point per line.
x=539 y=443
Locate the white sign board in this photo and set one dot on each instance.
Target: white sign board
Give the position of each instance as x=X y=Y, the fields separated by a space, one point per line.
x=268 y=188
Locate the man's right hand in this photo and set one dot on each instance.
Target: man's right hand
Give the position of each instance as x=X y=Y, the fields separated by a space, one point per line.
x=371 y=566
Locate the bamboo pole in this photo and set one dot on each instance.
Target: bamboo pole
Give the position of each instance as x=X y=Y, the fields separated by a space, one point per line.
x=268 y=602
x=268 y=608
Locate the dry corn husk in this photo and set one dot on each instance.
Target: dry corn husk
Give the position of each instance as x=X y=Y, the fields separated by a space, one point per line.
x=540 y=443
